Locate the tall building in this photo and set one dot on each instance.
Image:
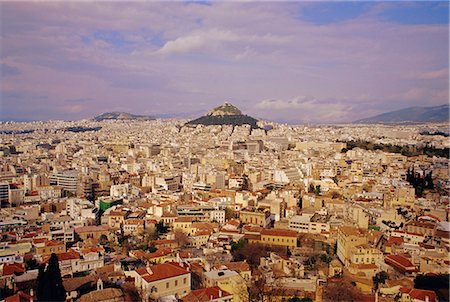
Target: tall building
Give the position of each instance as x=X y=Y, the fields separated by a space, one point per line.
x=4 y=192
x=66 y=179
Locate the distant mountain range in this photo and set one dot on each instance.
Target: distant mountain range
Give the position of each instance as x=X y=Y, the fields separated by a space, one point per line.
x=225 y=114
x=122 y=116
x=410 y=115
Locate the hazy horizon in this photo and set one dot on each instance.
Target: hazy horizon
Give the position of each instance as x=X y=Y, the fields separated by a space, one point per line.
x=290 y=62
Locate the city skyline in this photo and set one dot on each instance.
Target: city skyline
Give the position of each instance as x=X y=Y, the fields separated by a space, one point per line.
x=282 y=61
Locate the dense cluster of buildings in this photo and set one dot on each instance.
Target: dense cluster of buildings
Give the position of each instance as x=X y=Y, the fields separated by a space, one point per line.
x=159 y=211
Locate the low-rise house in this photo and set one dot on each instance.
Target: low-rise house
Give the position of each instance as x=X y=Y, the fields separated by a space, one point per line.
x=133 y=226
x=209 y=294
x=417 y=295
x=92 y=232
x=68 y=262
x=241 y=267
x=401 y=264
x=163 y=280
x=47 y=247
x=9 y=271
x=259 y=216
x=229 y=281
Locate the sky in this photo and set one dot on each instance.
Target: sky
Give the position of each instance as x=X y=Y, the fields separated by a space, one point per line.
x=290 y=62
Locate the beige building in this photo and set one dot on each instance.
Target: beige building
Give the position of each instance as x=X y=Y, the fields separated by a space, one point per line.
x=229 y=281
x=356 y=249
x=259 y=217
x=163 y=280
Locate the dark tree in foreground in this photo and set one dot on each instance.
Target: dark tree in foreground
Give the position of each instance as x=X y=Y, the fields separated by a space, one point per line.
x=379 y=278
x=50 y=286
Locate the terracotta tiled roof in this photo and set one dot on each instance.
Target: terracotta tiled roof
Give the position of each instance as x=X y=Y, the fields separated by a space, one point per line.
x=9 y=269
x=159 y=253
x=400 y=262
x=161 y=271
x=419 y=294
x=64 y=256
x=19 y=297
x=234 y=222
x=134 y=221
x=394 y=240
x=234 y=266
x=206 y=294
x=278 y=232
x=53 y=243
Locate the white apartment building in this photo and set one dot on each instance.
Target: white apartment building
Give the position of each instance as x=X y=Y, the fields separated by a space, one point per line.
x=309 y=223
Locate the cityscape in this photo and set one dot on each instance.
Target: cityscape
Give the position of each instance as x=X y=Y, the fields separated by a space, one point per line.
x=224 y=151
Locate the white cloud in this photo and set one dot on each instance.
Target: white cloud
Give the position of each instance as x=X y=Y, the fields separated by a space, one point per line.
x=198 y=40
x=300 y=102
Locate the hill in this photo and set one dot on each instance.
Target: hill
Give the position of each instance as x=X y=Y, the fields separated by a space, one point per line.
x=225 y=114
x=122 y=116
x=410 y=115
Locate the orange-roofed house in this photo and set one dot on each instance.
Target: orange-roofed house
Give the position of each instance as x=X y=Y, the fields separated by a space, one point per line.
x=20 y=297
x=68 y=262
x=400 y=263
x=9 y=270
x=162 y=280
x=133 y=226
x=160 y=256
x=417 y=295
x=210 y=294
x=48 y=247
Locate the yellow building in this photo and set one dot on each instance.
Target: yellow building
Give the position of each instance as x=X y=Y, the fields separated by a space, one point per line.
x=348 y=238
x=280 y=237
x=48 y=247
x=356 y=249
x=184 y=224
x=259 y=217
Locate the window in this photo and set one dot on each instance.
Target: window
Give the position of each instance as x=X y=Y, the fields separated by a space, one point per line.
x=167 y=284
x=176 y=282
x=184 y=280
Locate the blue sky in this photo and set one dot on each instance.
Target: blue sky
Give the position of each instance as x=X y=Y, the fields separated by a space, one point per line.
x=283 y=61
x=403 y=12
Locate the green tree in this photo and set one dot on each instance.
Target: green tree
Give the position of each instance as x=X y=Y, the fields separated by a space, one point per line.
x=50 y=286
x=161 y=228
x=229 y=213
x=103 y=239
x=317 y=190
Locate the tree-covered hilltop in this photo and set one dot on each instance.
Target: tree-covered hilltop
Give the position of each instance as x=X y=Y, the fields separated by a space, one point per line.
x=122 y=116
x=235 y=120
x=406 y=150
x=225 y=114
